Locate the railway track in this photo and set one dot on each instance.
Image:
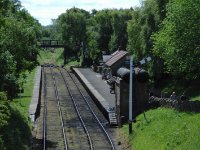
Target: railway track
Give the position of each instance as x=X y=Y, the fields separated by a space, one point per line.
x=69 y=120
x=54 y=135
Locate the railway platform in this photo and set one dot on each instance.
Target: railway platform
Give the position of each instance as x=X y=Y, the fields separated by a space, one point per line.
x=100 y=91
x=36 y=95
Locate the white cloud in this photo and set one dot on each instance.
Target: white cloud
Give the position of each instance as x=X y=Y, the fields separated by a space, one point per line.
x=45 y=10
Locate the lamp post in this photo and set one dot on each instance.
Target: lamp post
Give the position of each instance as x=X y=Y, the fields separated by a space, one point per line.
x=131 y=95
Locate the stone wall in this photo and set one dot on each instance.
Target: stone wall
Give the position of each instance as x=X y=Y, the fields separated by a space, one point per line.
x=187 y=106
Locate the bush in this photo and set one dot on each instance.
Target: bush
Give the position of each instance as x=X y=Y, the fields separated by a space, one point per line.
x=16 y=134
x=4 y=110
x=14 y=129
x=4 y=116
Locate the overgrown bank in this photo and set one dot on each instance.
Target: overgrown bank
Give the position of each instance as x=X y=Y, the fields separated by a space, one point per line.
x=165 y=129
x=15 y=128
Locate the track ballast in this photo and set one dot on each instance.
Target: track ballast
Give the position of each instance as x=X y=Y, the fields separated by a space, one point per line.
x=69 y=120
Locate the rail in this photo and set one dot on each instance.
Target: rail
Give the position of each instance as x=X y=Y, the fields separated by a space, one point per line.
x=102 y=127
x=59 y=109
x=85 y=99
x=45 y=109
x=70 y=83
x=79 y=115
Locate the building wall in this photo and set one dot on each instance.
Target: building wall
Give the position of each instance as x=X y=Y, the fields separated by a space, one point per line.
x=117 y=65
x=140 y=98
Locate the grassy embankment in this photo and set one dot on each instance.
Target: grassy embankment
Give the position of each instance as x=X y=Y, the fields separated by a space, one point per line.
x=16 y=132
x=168 y=129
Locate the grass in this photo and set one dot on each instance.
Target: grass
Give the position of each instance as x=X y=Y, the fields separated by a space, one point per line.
x=23 y=100
x=53 y=56
x=195 y=98
x=165 y=129
x=72 y=62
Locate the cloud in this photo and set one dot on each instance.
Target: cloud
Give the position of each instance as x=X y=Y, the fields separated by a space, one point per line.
x=46 y=10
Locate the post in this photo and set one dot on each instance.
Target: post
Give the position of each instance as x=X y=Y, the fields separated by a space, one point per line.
x=131 y=95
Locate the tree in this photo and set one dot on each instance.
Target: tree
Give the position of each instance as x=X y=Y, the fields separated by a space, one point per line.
x=134 y=38
x=19 y=33
x=4 y=115
x=104 y=28
x=146 y=21
x=119 y=25
x=52 y=32
x=177 y=43
x=92 y=45
x=73 y=27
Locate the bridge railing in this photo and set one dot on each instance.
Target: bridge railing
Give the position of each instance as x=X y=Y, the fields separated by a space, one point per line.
x=51 y=43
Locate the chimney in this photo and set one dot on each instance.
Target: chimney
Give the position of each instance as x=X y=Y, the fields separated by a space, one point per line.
x=119 y=48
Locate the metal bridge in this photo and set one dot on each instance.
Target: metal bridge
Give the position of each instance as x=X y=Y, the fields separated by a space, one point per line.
x=51 y=44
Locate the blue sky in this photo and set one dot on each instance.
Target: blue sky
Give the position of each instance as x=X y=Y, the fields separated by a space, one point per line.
x=45 y=10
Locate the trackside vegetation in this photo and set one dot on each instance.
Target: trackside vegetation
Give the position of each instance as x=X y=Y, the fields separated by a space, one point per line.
x=19 y=33
x=15 y=127
x=165 y=129
x=55 y=56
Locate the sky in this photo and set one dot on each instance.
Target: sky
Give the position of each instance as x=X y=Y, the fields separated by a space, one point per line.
x=46 y=10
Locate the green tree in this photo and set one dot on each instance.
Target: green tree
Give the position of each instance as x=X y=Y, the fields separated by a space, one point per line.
x=104 y=29
x=177 y=43
x=52 y=32
x=4 y=116
x=134 y=38
x=19 y=33
x=73 y=27
x=119 y=25
x=92 y=47
x=146 y=21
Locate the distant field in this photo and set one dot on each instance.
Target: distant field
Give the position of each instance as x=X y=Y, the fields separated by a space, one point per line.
x=165 y=129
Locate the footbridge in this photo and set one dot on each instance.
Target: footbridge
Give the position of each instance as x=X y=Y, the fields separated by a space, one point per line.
x=51 y=44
